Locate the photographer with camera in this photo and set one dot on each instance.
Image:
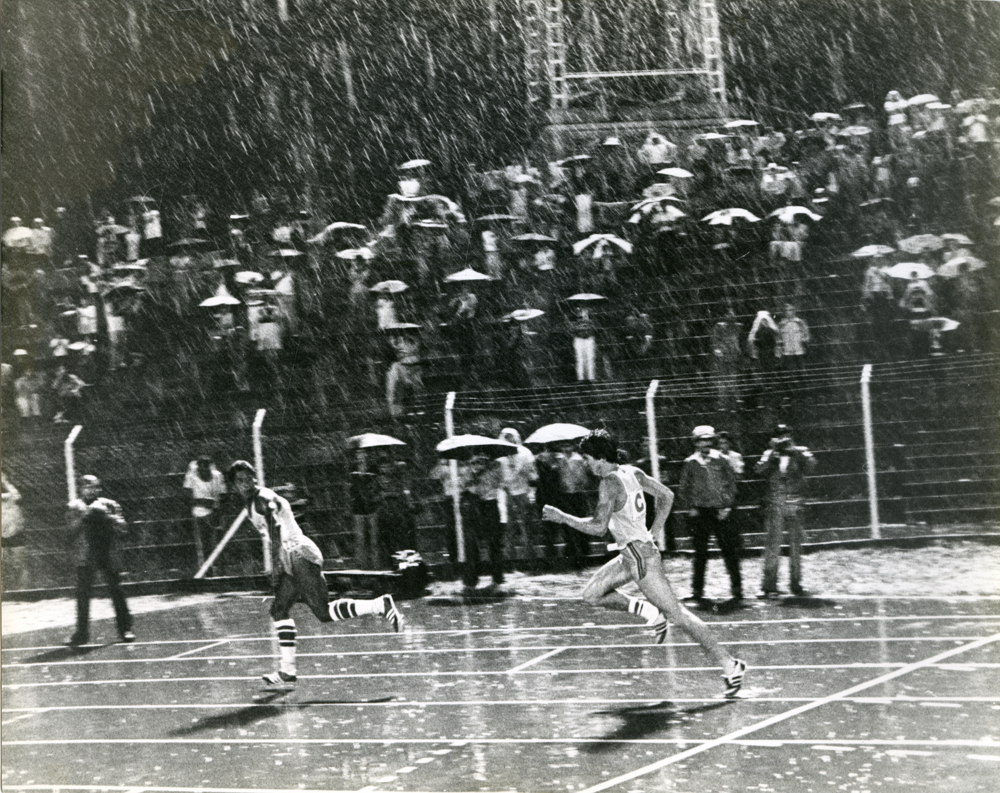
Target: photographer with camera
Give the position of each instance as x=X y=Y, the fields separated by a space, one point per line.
x=785 y=467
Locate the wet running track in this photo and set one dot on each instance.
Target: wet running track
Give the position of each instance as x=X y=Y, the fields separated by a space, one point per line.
x=518 y=694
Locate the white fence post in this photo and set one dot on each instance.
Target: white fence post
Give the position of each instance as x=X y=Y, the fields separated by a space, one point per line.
x=654 y=451
x=456 y=494
x=70 y=461
x=866 y=412
x=258 y=461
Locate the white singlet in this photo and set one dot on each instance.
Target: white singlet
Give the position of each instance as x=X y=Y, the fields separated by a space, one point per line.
x=629 y=523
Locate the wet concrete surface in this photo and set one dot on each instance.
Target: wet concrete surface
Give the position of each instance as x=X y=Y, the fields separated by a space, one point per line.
x=526 y=694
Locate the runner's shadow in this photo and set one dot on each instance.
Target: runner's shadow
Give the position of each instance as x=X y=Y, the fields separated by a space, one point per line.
x=62 y=654
x=644 y=720
x=252 y=714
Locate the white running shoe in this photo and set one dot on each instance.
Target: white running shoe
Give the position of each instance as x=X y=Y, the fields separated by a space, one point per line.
x=279 y=679
x=734 y=680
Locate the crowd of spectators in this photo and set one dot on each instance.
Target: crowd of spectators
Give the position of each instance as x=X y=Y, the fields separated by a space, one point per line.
x=709 y=255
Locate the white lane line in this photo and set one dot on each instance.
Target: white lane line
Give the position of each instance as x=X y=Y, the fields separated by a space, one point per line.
x=546 y=629
x=474 y=741
x=703 y=747
x=517 y=703
x=472 y=673
x=27 y=715
x=186 y=653
x=533 y=661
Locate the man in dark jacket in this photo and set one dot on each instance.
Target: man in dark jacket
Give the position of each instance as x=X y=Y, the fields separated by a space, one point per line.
x=707 y=491
x=785 y=466
x=96 y=526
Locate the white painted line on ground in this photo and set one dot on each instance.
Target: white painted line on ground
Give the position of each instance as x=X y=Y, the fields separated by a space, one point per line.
x=27 y=715
x=543 y=628
x=840 y=695
x=468 y=673
x=533 y=661
x=518 y=703
x=993 y=758
x=186 y=653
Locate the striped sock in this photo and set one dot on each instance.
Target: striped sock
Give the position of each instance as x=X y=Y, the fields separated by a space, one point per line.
x=346 y=608
x=286 y=645
x=644 y=609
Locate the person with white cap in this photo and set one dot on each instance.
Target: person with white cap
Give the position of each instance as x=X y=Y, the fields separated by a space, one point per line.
x=707 y=491
x=621 y=510
x=97 y=526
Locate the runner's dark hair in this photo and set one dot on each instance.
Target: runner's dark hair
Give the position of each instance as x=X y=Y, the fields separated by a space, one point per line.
x=601 y=445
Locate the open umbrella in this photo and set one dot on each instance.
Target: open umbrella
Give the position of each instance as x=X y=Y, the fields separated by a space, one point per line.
x=725 y=217
x=468 y=274
x=919 y=243
x=961 y=239
x=333 y=228
x=661 y=210
x=17 y=237
x=524 y=314
x=788 y=214
x=868 y=251
x=908 y=270
x=994 y=202
x=389 y=287
x=586 y=297
x=739 y=123
x=922 y=99
x=497 y=217
x=679 y=173
x=532 y=236
x=142 y=199
x=220 y=263
x=952 y=267
x=574 y=160
x=409 y=165
x=372 y=440
x=355 y=253
x=248 y=277
x=711 y=136
x=429 y=223
x=130 y=267
x=601 y=241
x=187 y=242
x=285 y=253
x=219 y=300
x=463 y=447
x=824 y=116
x=553 y=433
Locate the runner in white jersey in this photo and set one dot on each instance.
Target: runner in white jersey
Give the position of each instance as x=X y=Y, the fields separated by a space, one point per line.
x=621 y=509
x=300 y=572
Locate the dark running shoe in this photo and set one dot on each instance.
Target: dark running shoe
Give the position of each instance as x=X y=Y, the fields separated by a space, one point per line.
x=279 y=679
x=660 y=629
x=734 y=680
x=391 y=613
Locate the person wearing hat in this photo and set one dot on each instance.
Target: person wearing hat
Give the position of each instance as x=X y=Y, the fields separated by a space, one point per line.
x=707 y=491
x=299 y=567
x=97 y=527
x=621 y=510
x=785 y=466
x=206 y=486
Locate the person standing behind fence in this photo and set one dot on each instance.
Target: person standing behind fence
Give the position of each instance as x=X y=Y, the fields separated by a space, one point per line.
x=482 y=530
x=206 y=486
x=785 y=467
x=97 y=527
x=519 y=474
x=365 y=501
x=707 y=490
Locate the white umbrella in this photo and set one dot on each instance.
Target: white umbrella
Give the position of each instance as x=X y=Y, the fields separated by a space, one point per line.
x=824 y=116
x=994 y=202
x=922 y=99
x=868 y=251
x=961 y=239
x=711 y=136
x=468 y=274
x=909 y=270
x=524 y=314
x=575 y=158
x=355 y=253
x=725 y=217
x=462 y=447
x=532 y=236
x=248 y=277
x=788 y=214
x=586 y=297
x=389 y=287
x=17 y=237
x=738 y=123
x=553 y=433
x=285 y=253
x=219 y=300
x=679 y=173
x=951 y=268
x=333 y=228
x=371 y=440
x=428 y=223
x=409 y=165
x=601 y=240
x=919 y=243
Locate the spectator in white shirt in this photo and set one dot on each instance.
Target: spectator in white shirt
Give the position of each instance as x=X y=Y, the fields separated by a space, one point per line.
x=206 y=486
x=519 y=475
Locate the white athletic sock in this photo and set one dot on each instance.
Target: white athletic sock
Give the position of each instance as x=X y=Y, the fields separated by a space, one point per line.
x=347 y=608
x=644 y=609
x=286 y=645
